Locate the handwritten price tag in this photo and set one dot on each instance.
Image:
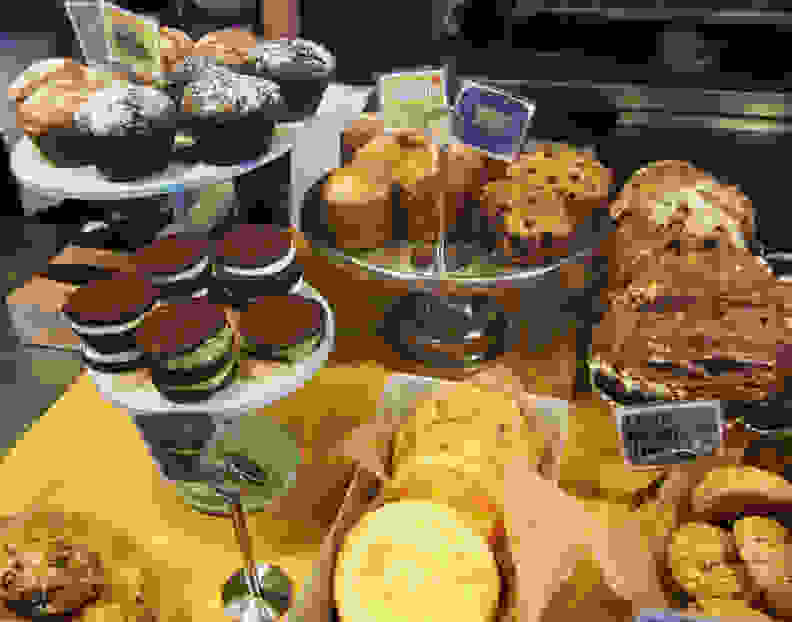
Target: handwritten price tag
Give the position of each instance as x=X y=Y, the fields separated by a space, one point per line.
x=670 y=432
x=415 y=100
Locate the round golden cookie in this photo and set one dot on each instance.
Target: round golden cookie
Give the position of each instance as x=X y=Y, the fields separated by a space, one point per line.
x=467 y=428
x=731 y=609
x=702 y=560
x=759 y=534
x=427 y=478
x=418 y=561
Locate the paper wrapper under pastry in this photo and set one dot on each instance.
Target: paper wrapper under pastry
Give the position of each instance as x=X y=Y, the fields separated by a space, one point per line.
x=358 y=208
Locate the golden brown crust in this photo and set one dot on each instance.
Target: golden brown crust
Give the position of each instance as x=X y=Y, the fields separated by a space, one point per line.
x=230 y=46
x=30 y=81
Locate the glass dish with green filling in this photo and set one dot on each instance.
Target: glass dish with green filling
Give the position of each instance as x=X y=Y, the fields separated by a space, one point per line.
x=263 y=441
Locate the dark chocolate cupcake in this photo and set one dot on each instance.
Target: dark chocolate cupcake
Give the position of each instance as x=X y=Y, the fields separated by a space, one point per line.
x=105 y=316
x=231 y=116
x=132 y=130
x=190 y=348
x=178 y=265
x=302 y=69
x=281 y=328
x=255 y=260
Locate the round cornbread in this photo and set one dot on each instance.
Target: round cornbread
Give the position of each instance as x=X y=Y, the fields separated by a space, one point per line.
x=418 y=561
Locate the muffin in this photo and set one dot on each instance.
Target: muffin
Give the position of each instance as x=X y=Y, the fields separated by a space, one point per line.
x=533 y=223
x=416 y=172
x=105 y=316
x=178 y=265
x=358 y=208
x=42 y=72
x=232 y=117
x=671 y=204
x=46 y=107
x=303 y=69
x=359 y=133
x=190 y=347
x=255 y=260
x=131 y=131
x=281 y=328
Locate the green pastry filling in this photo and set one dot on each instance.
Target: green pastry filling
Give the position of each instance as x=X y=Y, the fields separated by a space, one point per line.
x=293 y=353
x=211 y=351
x=211 y=383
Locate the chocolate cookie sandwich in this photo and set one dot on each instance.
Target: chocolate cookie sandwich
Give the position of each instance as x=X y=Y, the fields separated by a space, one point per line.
x=301 y=68
x=671 y=205
x=105 y=315
x=281 y=328
x=190 y=349
x=255 y=260
x=231 y=116
x=131 y=131
x=178 y=265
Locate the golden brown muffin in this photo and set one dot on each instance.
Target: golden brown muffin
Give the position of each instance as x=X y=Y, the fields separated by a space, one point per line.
x=229 y=46
x=358 y=208
x=416 y=173
x=360 y=132
x=533 y=222
x=52 y=106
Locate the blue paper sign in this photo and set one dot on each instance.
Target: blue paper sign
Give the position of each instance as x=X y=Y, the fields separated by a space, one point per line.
x=491 y=121
x=667 y=615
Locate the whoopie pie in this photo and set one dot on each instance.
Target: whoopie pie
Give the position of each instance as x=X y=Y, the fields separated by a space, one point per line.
x=105 y=315
x=281 y=328
x=254 y=260
x=189 y=348
x=178 y=265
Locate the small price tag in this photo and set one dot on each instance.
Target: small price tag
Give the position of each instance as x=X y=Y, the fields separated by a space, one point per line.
x=133 y=40
x=415 y=100
x=670 y=432
x=667 y=615
x=491 y=121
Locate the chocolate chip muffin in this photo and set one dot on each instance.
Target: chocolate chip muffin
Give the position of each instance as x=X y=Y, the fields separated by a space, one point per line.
x=131 y=131
x=231 y=116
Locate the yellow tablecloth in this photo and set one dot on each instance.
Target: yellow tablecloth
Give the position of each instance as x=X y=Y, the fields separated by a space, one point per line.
x=86 y=456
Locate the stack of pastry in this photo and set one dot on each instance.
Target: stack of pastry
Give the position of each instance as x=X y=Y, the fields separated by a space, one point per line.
x=692 y=313
x=542 y=198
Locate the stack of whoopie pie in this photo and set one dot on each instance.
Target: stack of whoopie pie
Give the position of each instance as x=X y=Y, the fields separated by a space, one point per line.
x=190 y=350
x=255 y=260
x=281 y=328
x=106 y=315
x=178 y=265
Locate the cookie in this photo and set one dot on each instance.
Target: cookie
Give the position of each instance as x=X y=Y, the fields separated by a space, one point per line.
x=702 y=559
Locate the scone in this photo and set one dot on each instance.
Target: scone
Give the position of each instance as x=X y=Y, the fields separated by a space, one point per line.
x=702 y=559
x=358 y=208
x=672 y=205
